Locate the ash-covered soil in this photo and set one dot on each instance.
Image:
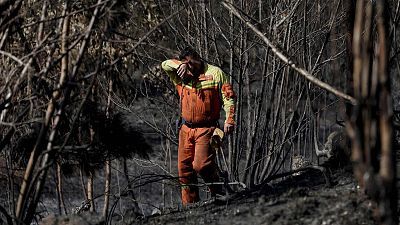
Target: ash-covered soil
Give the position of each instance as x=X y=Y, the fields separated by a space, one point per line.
x=303 y=199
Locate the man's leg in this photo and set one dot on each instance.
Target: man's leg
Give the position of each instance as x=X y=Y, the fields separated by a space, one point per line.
x=187 y=175
x=204 y=158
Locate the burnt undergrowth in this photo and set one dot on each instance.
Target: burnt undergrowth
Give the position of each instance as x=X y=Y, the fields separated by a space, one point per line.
x=300 y=199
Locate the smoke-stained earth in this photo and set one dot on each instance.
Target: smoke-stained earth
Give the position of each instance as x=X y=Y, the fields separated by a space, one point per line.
x=303 y=199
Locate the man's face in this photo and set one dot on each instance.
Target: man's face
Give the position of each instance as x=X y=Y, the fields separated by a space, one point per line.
x=195 y=66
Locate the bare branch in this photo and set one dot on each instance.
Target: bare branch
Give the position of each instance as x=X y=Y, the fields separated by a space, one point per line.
x=288 y=61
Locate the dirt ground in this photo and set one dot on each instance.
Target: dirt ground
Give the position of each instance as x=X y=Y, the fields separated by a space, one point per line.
x=302 y=199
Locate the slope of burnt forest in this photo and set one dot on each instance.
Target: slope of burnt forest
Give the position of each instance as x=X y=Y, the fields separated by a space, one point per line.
x=302 y=199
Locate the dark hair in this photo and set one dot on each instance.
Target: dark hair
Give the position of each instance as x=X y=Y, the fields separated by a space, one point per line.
x=189 y=51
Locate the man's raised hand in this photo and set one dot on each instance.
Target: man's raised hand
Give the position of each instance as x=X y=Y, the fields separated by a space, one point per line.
x=182 y=70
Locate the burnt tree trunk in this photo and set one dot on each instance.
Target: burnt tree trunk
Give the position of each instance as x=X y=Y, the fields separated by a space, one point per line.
x=370 y=124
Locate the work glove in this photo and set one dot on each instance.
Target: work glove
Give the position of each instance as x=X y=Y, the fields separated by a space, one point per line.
x=216 y=138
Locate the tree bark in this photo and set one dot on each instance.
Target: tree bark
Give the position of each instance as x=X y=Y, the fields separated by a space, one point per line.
x=280 y=54
x=370 y=125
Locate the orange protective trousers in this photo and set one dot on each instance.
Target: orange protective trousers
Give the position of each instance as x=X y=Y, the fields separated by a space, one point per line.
x=195 y=156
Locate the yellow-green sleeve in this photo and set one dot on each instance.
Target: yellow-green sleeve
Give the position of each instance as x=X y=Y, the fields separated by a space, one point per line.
x=170 y=66
x=228 y=98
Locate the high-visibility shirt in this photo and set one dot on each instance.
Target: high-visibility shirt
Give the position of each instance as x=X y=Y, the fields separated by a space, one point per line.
x=202 y=98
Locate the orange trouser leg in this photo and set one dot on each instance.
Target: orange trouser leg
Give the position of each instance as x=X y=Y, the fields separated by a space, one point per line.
x=204 y=158
x=195 y=156
x=187 y=175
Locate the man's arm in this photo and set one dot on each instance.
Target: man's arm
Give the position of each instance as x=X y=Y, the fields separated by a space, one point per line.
x=228 y=99
x=171 y=66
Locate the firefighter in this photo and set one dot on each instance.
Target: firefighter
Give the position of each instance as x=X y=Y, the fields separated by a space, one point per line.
x=203 y=90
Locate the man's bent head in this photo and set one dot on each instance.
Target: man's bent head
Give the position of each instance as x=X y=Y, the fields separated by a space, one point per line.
x=193 y=60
